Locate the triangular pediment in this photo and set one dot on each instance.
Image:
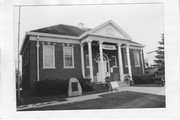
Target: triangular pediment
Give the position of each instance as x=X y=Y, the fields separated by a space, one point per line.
x=110 y=29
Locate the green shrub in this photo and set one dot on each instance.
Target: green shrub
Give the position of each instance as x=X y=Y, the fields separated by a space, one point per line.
x=51 y=87
x=86 y=84
x=143 y=79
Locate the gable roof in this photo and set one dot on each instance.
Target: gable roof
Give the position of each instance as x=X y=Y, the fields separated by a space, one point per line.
x=62 y=29
x=125 y=34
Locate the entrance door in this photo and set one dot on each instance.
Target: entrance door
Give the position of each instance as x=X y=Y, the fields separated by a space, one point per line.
x=106 y=70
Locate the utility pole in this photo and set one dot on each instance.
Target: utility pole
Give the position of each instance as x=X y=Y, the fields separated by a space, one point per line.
x=18 y=78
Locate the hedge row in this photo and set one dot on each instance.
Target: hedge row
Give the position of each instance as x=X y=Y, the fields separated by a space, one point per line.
x=58 y=87
x=145 y=79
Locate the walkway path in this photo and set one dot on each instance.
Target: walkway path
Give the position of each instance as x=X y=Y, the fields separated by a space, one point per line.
x=151 y=90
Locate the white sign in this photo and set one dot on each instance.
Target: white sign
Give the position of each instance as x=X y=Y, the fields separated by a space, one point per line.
x=109 y=47
x=114 y=86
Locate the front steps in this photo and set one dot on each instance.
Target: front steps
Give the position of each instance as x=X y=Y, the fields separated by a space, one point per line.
x=98 y=86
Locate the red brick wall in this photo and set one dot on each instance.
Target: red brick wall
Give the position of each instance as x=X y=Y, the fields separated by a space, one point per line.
x=60 y=72
x=135 y=70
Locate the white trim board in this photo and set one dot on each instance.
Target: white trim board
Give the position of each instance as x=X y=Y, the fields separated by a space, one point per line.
x=53 y=39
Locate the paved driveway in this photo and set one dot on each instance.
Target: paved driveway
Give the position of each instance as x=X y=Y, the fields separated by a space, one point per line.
x=151 y=90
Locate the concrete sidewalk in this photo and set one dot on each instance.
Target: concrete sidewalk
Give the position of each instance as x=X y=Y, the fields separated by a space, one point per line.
x=150 y=90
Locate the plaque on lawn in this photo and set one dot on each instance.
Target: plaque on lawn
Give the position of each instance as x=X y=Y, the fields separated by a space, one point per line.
x=74 y=88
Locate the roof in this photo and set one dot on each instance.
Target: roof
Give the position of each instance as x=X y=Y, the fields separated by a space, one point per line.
x=62 y=29
x=134 y=42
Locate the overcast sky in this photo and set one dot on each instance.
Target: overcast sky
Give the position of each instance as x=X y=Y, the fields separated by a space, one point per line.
x=143 y=22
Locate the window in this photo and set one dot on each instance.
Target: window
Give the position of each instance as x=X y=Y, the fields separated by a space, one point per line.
x=68 y=57
x=114 y=61
x=136 y=59
x=87 y=61
x=125 y=58
x=48 y=56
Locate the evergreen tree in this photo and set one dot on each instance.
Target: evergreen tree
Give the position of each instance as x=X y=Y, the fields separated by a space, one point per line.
x=159 y=58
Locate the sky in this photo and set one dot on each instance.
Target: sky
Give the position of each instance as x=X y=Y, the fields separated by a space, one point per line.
x=143 y=22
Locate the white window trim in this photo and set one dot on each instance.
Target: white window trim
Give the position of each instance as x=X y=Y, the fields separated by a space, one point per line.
x=137 y=53
x=45 y=67
x=114 y=66
x=68 y=67
x=87 y=59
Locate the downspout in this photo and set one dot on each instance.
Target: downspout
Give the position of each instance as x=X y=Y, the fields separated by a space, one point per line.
x=142 y=61
x=37 y=45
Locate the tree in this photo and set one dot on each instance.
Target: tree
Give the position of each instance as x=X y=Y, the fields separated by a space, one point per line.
x=160 y=73
x=159 y=58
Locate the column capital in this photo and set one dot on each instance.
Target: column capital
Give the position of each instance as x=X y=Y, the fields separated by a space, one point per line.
x=81 y=44
x=38 y=37
x=119 y=44
x=141 y=51
x=127 y=45
x=100 y=42
x=89 y=41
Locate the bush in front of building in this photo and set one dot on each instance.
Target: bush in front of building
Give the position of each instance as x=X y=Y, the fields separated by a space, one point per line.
x=151 y=78
x=86 y=84
x=143 y=79
x=59 y=87
x=51 y=87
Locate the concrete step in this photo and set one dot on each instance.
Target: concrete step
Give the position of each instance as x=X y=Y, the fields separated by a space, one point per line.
x=123 y=84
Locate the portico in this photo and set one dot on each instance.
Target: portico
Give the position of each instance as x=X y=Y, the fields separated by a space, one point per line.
x=103 y=59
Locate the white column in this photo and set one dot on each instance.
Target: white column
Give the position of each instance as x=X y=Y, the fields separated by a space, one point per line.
x=121 y=72
x=90 y=60
x=82 y=60
x=142 y=61
x=129 y=62
x=37 y=45
x=102 y=73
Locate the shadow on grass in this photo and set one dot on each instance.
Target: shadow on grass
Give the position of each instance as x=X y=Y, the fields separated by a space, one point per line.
x=124 y=99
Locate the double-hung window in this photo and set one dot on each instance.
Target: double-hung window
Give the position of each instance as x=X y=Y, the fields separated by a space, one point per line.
x=114 y=61
x=136 y=59
x=68 y=57
x=87 y=61
x=125 y=57
x=48 y=57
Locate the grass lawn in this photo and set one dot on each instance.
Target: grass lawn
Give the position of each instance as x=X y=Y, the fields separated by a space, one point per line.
x=119 y=100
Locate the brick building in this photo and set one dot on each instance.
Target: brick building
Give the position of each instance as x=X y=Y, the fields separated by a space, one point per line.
x=64 y=51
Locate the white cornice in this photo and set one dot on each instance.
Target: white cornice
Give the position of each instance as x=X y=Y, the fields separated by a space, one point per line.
x=106 y=36
x=53 y=35
x=108 y=22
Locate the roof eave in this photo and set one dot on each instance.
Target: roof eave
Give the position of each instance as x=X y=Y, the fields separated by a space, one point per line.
x=53 y=35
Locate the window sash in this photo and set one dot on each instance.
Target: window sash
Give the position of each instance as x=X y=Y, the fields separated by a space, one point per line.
x=48 y=56
x=68 y=57
x=136 y=59
x=125 y=58
x=87 y=61
x=114 y=61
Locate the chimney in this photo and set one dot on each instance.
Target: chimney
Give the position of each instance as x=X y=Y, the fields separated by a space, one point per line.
x=81 y=25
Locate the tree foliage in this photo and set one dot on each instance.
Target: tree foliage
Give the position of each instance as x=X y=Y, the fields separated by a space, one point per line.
x=159 y=58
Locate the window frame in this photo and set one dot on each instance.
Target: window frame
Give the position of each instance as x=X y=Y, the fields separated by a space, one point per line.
x=53 y=64
x=87 y=61
x=136 y=55
x=72 y=48
x=125 y=58
x=115 y=60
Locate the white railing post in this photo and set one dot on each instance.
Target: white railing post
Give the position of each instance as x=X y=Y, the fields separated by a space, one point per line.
x=90 y=60
x=129 y=62
x=121 y=72
x=102 y=76
x=82 y=60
